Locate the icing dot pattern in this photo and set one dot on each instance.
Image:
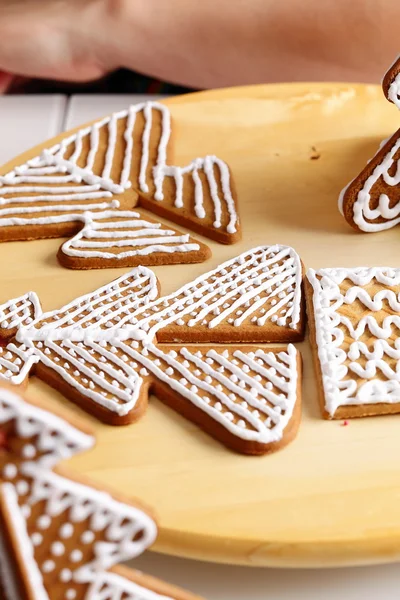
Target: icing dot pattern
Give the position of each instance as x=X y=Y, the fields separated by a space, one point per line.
x=63 y=512
x=19 y=311
x=103 y=344
x=252 y=393
x=256 y=288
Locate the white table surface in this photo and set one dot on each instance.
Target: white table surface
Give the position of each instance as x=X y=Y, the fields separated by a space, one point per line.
x=28 y=120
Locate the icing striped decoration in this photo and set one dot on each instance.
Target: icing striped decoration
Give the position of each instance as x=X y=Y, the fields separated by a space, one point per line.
x=96 y=370
x=117 y=235
x=258 y=288
x=16 y=361
x=103 y=345
x=99 y=313
x=90 y=170
x=19 y=311
x=358 y=350
x=251 y=393
x=70 y=534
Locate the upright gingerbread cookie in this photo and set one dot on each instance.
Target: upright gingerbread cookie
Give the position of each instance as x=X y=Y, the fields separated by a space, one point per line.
x=371 y=202
x=354 y=317
x=61 y=539
x=94 y=177
x=107 y=350
x=391 y=83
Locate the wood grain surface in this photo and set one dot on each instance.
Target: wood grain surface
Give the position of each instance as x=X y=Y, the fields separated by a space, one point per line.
x=333 y=496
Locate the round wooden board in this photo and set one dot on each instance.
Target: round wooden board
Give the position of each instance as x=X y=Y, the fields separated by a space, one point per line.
x=333 y=496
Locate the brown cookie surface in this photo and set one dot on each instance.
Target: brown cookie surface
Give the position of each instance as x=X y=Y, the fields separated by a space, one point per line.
x=62 y=538
x=106 y=351
x=87 y=183
x=391 y=83
x=371 y=202
x=127 y=239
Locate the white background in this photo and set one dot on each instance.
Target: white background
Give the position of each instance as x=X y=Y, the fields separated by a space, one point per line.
x=28 y=120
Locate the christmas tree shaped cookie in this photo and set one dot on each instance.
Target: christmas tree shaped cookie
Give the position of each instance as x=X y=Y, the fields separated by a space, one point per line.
x=108 y=350
x=86 y=184
x=391 y=83
x=60 y=538
x=371 y=202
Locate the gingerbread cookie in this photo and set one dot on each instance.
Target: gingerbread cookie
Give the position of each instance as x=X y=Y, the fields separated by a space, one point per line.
x=61 y=539
x=391 y=83
x=98 y=174
x=354 y=317
x=371 y=202
x=125 y=238
x=106 y=350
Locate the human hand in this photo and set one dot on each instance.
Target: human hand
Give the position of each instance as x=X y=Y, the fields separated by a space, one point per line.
x=199 y=44
x=52 y=39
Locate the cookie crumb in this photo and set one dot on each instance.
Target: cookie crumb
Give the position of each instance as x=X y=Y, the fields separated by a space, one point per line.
x=315 y=155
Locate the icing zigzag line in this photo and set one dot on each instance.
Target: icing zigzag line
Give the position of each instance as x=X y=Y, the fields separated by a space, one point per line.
x=331 y=343
x=369 y=322
x=332 y=278
x=375 y=303
x=371 y=368
x=380 y=348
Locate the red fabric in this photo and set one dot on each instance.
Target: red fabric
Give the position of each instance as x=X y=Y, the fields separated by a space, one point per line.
x=6 y=80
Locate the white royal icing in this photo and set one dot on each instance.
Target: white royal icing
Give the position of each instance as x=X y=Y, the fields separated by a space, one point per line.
x=340 y=368
x=394 y=88
x=19 y=311
x=260 y=285
x=103 y=344
x=63 y=181
x=365 y=217
x=113 y=587
x=394 y=91
x=106 y=233
x=259 y=410
x=118 y=524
